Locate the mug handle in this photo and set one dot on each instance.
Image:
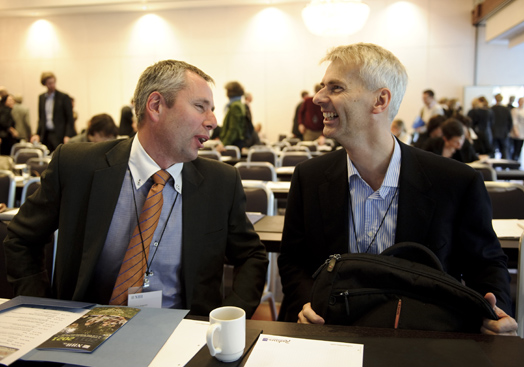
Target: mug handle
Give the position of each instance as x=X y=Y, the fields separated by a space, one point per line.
x=209 y=336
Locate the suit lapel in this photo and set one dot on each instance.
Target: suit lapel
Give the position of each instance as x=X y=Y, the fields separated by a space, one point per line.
x=415 y=207
x=103 y=197
x=334 y=196
x=192 y=203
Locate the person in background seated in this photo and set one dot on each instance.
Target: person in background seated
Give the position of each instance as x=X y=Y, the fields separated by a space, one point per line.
x=398 y=128
x=98 y=195
x=378 y=191
x=100 y=128
x=451 y=140
x=433 y=131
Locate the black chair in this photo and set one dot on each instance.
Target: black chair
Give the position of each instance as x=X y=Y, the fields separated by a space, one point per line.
x=507 y=199
x=7 y=188
x=487 y=172
x=38 y=165
x=29 y=188
x=262 y=154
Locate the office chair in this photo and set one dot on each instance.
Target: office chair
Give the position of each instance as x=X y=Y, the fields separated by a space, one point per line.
x=23 y=155
x=209 y=154
x=29 y=188
x=507 y=199
x=292 y=158
x=262 y=154
x=231 y=151
x=261 y=199
x=261 y=171
x=487 y=172
x=38 y=165
x=7 y=188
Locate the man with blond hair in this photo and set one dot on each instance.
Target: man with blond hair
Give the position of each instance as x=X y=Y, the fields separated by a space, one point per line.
x=378 y=191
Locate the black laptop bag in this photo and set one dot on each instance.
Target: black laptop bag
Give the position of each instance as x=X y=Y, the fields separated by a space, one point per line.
x=404 y=287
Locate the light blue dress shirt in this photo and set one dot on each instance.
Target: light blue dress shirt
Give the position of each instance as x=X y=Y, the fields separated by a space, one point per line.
x=371 y=207
x=166 y=249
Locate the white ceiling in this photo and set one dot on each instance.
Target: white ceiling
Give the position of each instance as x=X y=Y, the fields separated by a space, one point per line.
x=39 y=8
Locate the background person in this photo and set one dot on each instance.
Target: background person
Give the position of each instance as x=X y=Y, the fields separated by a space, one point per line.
x=56 y=123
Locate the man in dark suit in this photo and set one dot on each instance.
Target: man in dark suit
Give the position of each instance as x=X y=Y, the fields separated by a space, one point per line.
x=55 y=115
x=92 y=194
x=378 y=191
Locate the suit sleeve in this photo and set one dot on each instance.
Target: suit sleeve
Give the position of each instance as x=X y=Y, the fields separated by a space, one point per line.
x=68 y=117
x=247 y=254
x=483 y=261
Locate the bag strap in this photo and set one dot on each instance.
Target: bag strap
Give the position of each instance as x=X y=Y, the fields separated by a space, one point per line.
x=415 y=252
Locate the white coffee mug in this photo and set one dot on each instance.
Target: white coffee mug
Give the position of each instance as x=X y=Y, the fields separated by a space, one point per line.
x=226 y=335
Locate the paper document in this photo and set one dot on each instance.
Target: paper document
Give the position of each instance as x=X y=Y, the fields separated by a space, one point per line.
x=187 y=339
x=24 y=328
x=271 y=350
x=508 y=228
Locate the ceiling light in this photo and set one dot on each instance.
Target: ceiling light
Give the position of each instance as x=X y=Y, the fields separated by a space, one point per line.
x=335 y=17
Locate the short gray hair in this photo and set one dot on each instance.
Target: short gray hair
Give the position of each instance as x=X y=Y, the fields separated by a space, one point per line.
x=166 y=77
x=379 y=68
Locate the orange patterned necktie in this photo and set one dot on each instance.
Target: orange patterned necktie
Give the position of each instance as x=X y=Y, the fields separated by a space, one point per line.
x=134 y=266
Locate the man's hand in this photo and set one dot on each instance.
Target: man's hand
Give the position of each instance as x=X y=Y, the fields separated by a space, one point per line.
x=302 y=129
x=66 y=139
x=308 y=316
x=35 y=139
x=505 y=325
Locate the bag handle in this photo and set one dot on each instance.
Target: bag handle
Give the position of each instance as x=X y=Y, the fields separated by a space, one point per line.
x=415 y=252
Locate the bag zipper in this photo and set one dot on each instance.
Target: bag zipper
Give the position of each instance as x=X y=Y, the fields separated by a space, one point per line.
x=331 y=261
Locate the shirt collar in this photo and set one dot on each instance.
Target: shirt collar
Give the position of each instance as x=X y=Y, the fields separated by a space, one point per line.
x=392 y=174
x=142 y=167
x=50 y=95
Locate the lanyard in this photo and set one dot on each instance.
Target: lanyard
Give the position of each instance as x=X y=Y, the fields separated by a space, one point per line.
x=148 y=267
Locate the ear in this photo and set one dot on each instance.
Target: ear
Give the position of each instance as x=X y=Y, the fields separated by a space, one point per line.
x=382 y=99
x=154 y=106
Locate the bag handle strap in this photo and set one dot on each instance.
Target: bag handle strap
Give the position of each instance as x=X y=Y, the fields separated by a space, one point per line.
x=415 y=252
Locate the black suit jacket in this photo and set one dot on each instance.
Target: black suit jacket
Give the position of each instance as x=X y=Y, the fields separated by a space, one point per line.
x=79 y=194
x=443 y=204
x=62 y=116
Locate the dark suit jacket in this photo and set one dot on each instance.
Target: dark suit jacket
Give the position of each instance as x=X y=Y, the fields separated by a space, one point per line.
x=443 y=204
x=62 y=116
x=79 y=194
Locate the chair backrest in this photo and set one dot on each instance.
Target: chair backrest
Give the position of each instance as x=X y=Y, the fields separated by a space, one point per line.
x=487 y=172
x=262 y=171
x=296 y=148
x=29 y=188
x=7 y=188
x=259 y=198
x=290 y=159
x=262 y=155
x=519 y=310
x=23 y=155
x=210 y=154
x=507 y=199
x=311 y=145
x=38 y=165
x=231 y=151
x=17 y=146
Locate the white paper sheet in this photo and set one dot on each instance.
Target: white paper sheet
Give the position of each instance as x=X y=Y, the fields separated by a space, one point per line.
x=508 y=228
x=24 y=328
x=187 y=339
x=277 y=351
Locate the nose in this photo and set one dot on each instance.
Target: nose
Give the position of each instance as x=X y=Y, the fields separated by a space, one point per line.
x=319 y=97
x=211 y=121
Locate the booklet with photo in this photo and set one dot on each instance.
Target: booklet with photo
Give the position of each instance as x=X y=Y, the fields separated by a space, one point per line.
x=90 y=330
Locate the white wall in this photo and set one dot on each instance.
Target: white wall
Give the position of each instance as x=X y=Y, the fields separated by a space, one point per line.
x=98 y=57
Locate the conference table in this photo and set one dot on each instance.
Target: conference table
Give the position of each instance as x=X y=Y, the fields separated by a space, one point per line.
x=382 y=347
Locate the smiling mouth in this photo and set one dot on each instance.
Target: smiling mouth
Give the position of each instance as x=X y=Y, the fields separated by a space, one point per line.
x=330 y=116
x=202 y=140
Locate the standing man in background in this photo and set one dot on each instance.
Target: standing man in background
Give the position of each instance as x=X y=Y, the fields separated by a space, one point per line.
x=310 y=119
x=55 y=115
x=295 y=130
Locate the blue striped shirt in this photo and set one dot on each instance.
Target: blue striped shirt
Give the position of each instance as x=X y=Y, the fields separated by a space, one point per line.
x=370 y=207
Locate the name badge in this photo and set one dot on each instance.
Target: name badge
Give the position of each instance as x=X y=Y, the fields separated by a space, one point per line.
x=146 y=299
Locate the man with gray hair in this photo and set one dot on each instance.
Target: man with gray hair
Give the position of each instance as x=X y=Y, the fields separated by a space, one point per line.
x=104 y=202
x=378 y=191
